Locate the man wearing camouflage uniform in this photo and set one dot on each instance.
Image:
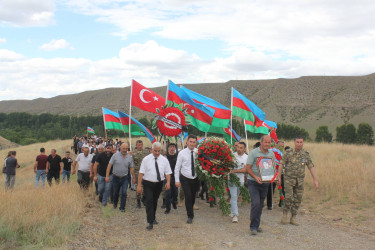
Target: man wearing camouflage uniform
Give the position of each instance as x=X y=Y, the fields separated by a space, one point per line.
x=138 y=156
x=294 y=162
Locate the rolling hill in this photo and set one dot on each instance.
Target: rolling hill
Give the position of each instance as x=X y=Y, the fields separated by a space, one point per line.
x=308 y=101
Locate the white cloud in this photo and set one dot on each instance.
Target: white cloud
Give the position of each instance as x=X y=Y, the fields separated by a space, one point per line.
x=9 y=56
x=27 y=12
x=3 y=40
x=55 y=45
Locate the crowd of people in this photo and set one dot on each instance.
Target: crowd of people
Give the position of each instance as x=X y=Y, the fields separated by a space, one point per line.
x=170 y=172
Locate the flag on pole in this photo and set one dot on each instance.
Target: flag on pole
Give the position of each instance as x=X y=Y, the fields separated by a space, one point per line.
x=227 y=133
x=259 y=128
x=246 y=109
x=145 y=99
x=137 y=128
x=201 y=116
x=90 y=130
x=222 y=114
x=111 y=120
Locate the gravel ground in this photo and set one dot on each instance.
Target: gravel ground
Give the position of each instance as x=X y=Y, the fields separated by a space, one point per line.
x=109 y=229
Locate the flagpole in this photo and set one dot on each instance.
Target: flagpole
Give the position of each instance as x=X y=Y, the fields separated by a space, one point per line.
x=105 y=129
x=166 y=94
x=130 y=117
x=247 y=143
x=231 y=117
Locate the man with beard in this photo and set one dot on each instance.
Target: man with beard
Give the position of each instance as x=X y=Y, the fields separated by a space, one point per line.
x=100 y=170
x=171 y=194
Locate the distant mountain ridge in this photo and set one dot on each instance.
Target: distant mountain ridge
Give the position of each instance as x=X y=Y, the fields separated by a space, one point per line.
x=308 y=101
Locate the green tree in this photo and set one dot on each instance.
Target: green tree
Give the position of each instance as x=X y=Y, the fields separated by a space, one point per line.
x=346 y=133
x=365 y=134
x=289 y=132
x=323 y=135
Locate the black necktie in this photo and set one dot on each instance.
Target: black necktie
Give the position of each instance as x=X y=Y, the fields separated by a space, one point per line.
x=192 y=164
x=157 y=169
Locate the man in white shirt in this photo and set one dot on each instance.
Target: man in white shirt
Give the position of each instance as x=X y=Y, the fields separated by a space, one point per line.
x=185 y=172
x=84 y=160
x=154 y=170
x=240 y=171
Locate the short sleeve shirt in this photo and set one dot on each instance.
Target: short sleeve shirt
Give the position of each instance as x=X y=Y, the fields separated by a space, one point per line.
x=253 y=158
x=54 y=162
x=121 y=165
x=42 y=161
x=294 y=163
x=103 y=160
x=148 y=168
x=84 y=162
x=67 y=163
x=241 y=162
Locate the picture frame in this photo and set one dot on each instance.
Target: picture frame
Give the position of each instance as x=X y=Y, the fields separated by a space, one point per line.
x=267 y=170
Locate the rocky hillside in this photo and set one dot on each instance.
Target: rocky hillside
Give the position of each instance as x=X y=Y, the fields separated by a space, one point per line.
x=306 y=101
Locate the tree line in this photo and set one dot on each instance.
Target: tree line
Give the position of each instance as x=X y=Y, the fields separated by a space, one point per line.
x=24 y=128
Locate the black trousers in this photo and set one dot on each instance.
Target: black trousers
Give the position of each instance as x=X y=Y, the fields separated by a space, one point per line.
x=171 y=194
x=190 y=187
x=53 y=175
x=151 y=192
x=83 y=179
x=271 y=190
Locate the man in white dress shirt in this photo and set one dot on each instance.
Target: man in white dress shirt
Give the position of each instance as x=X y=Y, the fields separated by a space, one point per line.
x=185 y=173
x=154 y=170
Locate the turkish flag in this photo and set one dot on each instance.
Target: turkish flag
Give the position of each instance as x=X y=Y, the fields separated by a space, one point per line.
x=146 y=99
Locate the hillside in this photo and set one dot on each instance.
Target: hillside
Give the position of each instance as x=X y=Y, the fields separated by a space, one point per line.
x=308 y=101
x=4 y=143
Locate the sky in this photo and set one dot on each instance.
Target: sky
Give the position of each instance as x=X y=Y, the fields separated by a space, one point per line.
x=50 y=48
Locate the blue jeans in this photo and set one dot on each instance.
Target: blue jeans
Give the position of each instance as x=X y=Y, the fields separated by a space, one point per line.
x=40 y=174
x=120 y=183
x=105 y=188
x=234 y=192
x=66 y=174
x=258 y=193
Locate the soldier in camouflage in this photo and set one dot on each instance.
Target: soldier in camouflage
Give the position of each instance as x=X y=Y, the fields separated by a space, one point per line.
x=138 y=155
x=294 y=162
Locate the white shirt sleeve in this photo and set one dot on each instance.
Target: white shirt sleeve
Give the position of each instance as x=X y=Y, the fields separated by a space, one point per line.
x=78 y=158
x=178 y=168
x=142 y=168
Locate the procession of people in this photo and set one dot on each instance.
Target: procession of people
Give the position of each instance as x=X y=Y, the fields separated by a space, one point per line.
x=114 y=167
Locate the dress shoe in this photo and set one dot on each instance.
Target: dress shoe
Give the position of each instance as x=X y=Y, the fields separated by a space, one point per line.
x=149 y=226
x=201 y=195
x=189 y=221
x=167 y=211
x=174 y=205
x=155 y=222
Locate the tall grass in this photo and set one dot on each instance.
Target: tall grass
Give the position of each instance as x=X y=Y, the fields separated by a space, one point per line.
x=43 y=217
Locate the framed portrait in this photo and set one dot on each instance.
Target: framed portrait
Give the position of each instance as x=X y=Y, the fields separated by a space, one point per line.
x=266 y=168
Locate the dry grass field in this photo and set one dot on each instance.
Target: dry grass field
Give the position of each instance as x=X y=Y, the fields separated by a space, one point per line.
x=49 y=217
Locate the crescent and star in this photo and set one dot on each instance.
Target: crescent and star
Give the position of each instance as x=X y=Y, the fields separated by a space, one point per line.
x=142 y=97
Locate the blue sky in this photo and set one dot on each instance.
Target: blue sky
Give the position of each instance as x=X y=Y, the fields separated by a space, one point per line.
x=49 y=48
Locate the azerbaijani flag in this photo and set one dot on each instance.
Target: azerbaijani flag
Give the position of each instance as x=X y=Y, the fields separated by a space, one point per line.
x=90 y=130
x=137 y=127
x=111 y=120
x=201 y=116
x=259 y=128
x=222 y=114
x=248 y=111
x=227 y=133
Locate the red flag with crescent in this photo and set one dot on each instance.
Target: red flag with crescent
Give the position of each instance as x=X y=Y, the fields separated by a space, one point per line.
x=145 y=99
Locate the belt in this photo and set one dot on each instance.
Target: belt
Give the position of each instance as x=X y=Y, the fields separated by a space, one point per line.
x=120 y=177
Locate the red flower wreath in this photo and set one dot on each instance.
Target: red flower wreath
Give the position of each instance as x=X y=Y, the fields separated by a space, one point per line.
x=174 y=114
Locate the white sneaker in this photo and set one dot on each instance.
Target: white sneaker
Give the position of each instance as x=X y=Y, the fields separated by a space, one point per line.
x=235 y=219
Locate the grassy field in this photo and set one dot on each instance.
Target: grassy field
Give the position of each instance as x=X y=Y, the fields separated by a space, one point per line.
x=48 y=217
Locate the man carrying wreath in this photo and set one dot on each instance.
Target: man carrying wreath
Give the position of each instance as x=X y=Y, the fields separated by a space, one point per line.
x=257 y=189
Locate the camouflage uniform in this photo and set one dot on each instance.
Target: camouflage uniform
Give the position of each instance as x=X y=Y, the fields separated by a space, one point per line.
x=137 y=159
x=294 y=166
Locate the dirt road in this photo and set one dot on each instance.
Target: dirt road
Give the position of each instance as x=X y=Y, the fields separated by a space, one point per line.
x=109 y=229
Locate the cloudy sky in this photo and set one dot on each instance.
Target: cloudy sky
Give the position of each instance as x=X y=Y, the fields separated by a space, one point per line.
x=50 y=48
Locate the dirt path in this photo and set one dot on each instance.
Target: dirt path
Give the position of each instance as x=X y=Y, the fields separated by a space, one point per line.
x=109 y=229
